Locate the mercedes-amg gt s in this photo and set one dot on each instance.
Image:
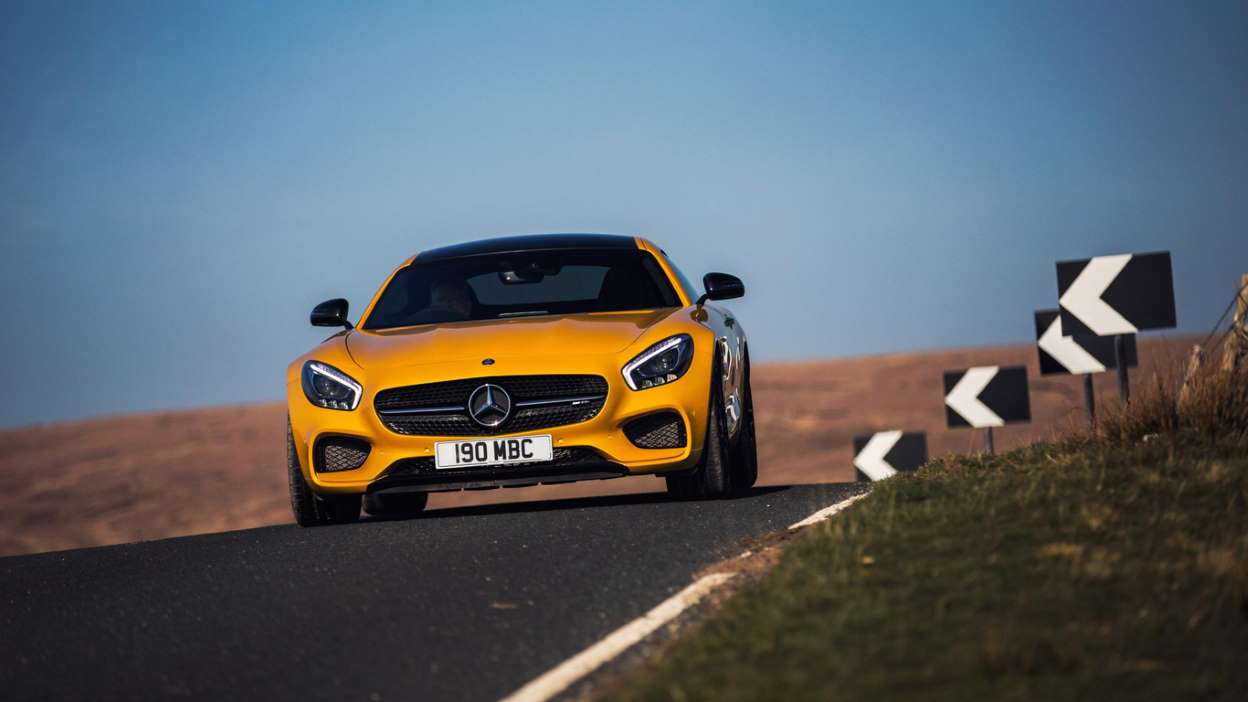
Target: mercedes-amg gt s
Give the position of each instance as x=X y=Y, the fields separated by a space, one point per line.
x=517 y=361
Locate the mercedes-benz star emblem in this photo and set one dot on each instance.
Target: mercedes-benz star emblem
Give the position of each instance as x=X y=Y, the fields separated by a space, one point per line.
x=489 y=405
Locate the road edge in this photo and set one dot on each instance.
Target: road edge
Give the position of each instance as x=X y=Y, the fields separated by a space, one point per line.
x=567 y=674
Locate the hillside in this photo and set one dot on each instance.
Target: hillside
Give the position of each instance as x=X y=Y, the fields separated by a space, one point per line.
x=127 y=478
x=1106 y=566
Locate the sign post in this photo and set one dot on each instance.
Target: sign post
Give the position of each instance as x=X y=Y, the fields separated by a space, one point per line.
x=1089 y=398
x=1120 y=353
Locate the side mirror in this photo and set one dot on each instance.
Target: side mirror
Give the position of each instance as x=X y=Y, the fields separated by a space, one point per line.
x=721 y=286
x=331 y=313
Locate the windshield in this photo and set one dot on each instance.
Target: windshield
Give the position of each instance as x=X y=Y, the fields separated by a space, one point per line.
x=529 y=283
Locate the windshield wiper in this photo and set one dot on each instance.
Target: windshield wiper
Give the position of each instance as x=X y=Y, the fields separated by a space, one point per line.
x=526 y=313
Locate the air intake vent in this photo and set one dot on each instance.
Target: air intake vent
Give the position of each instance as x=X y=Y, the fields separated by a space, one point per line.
x=537 y=402
x=338 y=453
x=655 y=431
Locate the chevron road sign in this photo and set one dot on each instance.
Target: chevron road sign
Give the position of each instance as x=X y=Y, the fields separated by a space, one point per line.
x=884 y=454
x=986 y=396
x=1122 y=294
x=1115 y=296
x=1074 y=355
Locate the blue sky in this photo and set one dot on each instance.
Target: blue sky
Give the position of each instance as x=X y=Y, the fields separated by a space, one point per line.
x=181 y=182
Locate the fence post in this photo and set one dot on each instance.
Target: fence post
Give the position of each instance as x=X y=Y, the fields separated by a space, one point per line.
x=1189 y=377
x=1237 y=341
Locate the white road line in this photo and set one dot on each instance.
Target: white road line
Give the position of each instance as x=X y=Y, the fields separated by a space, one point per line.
x=563 y=675
x=827 y=512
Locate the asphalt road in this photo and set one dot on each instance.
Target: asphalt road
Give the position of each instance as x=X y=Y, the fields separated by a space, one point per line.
x=462 y=604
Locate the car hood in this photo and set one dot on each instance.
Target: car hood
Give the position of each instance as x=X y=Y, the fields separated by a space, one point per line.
x=582 y=334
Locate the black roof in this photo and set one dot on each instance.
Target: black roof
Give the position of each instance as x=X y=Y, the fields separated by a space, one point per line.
x=529 y=242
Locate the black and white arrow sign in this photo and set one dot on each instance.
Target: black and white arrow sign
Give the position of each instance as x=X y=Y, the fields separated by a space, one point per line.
x=1074 y=355
x=1122 y=294
x=986 y=396
x=884 y=454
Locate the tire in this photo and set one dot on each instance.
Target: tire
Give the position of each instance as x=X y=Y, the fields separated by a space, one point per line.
x=311 y=509
x=745 y=453
x=397 y=505
x=712 y=478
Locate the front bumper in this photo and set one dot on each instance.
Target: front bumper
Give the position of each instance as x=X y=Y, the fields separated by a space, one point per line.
x=489 y=478
x=398 y=462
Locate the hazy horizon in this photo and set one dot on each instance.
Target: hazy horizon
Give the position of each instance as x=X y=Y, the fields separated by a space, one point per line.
x=181 y=182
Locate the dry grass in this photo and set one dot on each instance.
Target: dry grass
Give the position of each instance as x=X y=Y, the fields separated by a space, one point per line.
x=1215 y=406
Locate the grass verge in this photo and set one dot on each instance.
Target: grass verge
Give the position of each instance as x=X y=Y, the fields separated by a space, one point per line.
x=1110 y=567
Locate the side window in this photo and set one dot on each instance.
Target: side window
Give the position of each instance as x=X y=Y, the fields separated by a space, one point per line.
x=662 y=285
x=690 y=290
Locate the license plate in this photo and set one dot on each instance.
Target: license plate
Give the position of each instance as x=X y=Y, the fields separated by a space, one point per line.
x=492 y=452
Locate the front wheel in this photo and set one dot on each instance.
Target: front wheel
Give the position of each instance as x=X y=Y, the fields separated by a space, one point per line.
x=713 y=476
x=311 y=509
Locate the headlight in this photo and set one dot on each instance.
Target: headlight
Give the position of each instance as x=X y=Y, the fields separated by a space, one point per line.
x=662 y=363
x=329 y=387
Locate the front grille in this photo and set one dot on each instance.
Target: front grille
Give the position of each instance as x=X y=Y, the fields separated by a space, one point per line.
x=562 y=457
x=439 y=409
x=658 y=430
x=338 y=453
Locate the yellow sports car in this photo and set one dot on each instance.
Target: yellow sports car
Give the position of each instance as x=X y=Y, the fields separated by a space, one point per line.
x=517 y=361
